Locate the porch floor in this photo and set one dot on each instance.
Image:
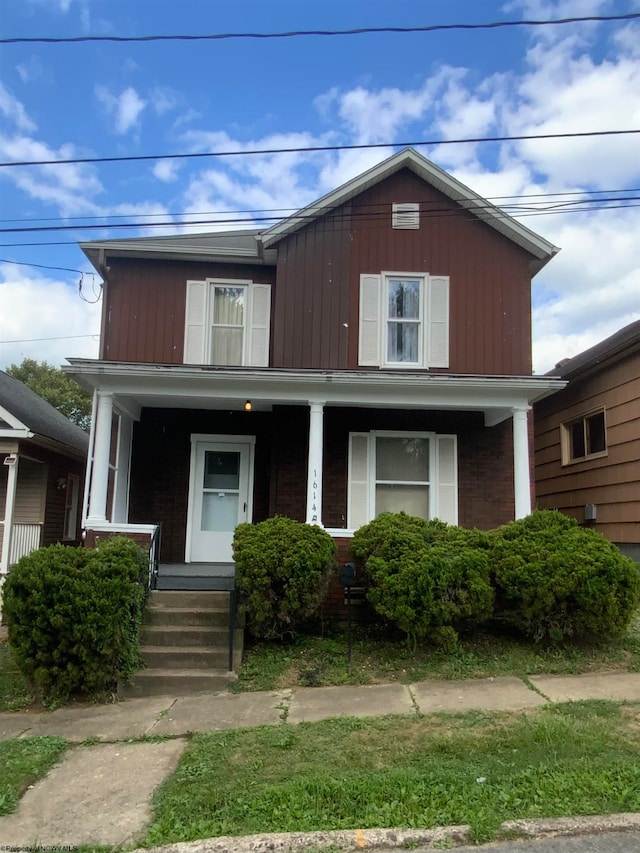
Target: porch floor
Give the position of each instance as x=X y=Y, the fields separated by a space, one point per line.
x=211 y=576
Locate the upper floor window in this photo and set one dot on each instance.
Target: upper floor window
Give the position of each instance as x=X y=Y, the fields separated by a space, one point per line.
x=584 y=437
x=404 y=320
x=227 y=323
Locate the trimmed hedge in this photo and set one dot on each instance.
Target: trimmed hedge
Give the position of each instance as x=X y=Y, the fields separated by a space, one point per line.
x=425 y=577
x=557 y=581
x=282 y=573
x=74 y=616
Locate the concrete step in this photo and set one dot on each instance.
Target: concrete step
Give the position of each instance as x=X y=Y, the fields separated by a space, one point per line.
x=185 y=635
x=166 y=616
x=200 y=599
x=163 y=681
x=184 y=657
x=193 y=582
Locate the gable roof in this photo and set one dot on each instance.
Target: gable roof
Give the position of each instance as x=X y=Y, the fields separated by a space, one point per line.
x=541 y=250
x=622 y=343
x=259 y=246
x=25 y=409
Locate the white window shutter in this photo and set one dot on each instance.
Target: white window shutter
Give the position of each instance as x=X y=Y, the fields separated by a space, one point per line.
x=369 y=332
x=260 y=318
x=195 y=319
x=438 y=322
x=447 y=486
x=358 y=486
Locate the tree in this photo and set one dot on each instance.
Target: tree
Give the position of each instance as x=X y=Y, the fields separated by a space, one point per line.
x=58 y=389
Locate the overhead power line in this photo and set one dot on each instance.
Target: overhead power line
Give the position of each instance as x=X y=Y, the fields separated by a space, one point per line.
x=60 y=338
x=39 y=266
x=491 y=25
x=173 y=218
x=436 y=212
x=312 y=148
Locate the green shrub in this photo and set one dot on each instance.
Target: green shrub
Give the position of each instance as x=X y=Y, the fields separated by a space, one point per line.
x=425 y=577
x=282 y=572
x=73 y=616
x=557 y=581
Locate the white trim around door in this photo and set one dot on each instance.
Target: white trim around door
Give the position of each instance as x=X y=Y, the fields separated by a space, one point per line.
x=220 y=494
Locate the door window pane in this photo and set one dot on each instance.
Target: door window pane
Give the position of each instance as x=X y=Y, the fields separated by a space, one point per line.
x=402 y=458
x=221 y=469
x=219 y=511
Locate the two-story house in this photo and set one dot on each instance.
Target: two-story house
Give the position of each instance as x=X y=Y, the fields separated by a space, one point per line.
x=370 y=352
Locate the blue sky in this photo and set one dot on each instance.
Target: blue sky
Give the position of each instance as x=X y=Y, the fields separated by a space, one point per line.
x=88 y=100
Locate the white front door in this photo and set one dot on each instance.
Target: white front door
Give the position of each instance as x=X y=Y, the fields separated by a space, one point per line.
x=220 y=498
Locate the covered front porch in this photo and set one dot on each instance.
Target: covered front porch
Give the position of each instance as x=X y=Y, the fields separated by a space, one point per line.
x=199 y=450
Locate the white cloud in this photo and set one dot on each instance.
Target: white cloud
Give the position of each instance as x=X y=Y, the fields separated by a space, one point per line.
x=126 y=108
x=35 y=306
x=166 y=170
x=163 y=99
x=14 y=111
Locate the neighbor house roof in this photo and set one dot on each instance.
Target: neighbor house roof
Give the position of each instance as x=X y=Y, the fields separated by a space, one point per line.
x=617 y=346
x=258 y=246
x=22 y=409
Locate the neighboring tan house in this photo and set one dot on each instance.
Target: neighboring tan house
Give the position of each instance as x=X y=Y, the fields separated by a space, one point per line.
x=42 y=464
x=371 y=352
x=587 y=440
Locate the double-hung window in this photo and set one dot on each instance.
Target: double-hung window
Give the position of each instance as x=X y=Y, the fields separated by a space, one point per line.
x=227 y=323
x=412 y=472
x=404 y=298
x=404 y=320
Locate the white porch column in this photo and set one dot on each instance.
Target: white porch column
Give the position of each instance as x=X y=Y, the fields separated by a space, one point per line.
x=12 y=482
x=521 y=478
x=101 y=450
x=314 y=470
x=123 y=467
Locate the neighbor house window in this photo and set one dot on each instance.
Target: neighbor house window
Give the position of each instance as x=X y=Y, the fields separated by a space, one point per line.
x=72 y=490
x=412 y=472
x=584 y=438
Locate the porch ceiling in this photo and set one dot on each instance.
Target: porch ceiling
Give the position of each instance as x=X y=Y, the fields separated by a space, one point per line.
x=135 y=386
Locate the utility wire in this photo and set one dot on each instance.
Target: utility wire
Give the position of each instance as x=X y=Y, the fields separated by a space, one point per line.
x=286 y=211
x=492 y=25
x=313 y=148
x=467 y=213
x=40 y=266
x=336 y=214
x=61 y=338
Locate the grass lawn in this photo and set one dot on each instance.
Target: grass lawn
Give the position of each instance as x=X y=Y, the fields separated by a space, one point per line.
x=23 y=761
x=315 y=660
x=14 y=691
x=475 y=768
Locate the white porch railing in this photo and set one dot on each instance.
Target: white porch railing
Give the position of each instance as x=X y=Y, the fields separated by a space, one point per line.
x=25 y=538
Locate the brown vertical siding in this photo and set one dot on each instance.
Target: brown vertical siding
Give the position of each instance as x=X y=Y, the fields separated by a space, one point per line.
x=145 y=306
x=161 y=456
x=489 y=275
x=612 y=482
x=311 y=307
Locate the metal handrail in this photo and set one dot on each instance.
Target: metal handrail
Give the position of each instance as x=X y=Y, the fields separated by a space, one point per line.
x=154 y=555
x=233 y=604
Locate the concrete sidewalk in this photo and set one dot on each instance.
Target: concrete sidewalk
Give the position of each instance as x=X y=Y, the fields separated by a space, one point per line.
x=176 y=716
x=79 y=799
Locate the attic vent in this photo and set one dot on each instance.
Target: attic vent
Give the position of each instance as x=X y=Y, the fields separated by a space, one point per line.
x=405 y=215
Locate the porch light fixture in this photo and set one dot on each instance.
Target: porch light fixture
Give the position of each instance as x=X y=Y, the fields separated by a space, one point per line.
x=248 y=406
